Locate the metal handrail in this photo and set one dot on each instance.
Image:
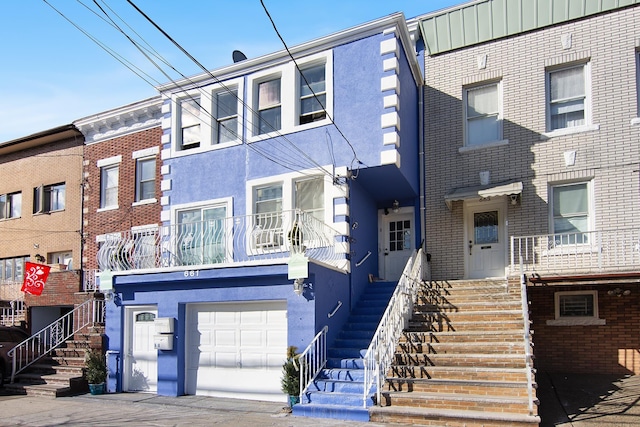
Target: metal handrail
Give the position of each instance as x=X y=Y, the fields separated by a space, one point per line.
x=379 y=355
x=52 y=336
x=580 y=252
x=312 y=360
x=527 y=337
x=15 y=312
x=221 y=242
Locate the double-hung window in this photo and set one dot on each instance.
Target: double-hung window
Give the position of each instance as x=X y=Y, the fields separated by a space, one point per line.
x=226 y=116
x=145 y=179
x=109 y=177
x=570 y=206
x=10 y=205
x=269 y=106
x=568 y=97
x=49 y=198
x=268 y=215
x=483 y=118
x=190 y=125
x=313 y=94
x=309 y=197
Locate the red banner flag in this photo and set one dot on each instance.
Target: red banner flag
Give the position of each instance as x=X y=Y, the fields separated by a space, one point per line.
x=35 y=276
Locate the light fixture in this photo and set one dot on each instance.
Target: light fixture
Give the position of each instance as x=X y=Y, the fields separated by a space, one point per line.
x=298 y=286
x=619 y=292
x=396 y=206
x=514 y=199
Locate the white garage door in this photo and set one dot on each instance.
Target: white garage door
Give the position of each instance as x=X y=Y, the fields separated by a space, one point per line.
x=236 y=350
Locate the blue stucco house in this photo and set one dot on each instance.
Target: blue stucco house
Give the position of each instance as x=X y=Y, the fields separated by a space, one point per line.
x=290 y=188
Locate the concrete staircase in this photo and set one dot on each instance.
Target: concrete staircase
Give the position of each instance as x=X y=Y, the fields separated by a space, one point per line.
x=338 y=391
x=461 y=361
x=61 y=372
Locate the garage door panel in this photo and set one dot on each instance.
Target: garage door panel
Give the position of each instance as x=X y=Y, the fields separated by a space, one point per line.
x=245 y=344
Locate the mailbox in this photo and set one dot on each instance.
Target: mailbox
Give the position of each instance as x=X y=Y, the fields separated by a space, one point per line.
x=164 y=325
x=163 y=341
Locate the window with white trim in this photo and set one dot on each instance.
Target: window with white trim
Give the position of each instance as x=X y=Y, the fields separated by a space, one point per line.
x=49 y=198
x=11 y=205
x=570 y=208
x=109 y=178
x=12 y=269
x=309 y=196
x=568 y=97
x=638 y=82
x=269 y=107
x=483 y=115
x=226 y=116
x=202 y=235
x=313 y=94
x=145 y=179
x=190 y=125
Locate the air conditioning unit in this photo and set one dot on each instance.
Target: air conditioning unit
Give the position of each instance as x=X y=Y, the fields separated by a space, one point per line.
x=266 y=238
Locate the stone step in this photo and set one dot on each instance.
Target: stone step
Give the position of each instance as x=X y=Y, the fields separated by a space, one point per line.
x=68 y=361
x=463 y=325
x=458 y=401
x=462 y=348
x=430 y=385
x=450 y=418
x=448 y=306
x=499 y=335
x=466 y=316
x=466 y=373
x=50 y=379
x=467 y=359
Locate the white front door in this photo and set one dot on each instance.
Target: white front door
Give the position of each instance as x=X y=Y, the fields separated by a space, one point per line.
x=485 y=239
x=397 y=238
x=140 y=356
x=236 y=349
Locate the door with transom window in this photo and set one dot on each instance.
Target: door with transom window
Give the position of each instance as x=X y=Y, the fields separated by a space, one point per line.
x=397 y=236
x=485 y=244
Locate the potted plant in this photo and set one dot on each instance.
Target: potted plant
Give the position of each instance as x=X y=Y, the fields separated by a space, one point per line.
x=95 y=371
x=291 y=376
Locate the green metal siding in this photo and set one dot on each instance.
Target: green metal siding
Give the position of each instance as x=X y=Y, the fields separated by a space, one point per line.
x=481 y=21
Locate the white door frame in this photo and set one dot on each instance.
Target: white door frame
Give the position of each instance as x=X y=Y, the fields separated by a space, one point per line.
x=471 y=206
x=128 y=341
x=384 y=218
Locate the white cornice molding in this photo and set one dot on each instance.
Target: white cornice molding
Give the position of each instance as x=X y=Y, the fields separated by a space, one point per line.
x=121 y=121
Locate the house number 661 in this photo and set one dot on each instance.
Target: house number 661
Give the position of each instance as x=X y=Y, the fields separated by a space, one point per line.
x=191 y=273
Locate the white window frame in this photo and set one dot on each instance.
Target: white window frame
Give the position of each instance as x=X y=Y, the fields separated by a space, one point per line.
x=499 y=117
x=588 y=123
x=11 y=200
x=208 y=123
x=590 y=211
x=636 y=120
x=139 y=180
x=575 y=320
x=300 y=81
x=290 y=95
x=105 y=164
x=44 y=203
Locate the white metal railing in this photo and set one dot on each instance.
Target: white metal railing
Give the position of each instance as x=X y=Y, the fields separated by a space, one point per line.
x=13 y=314
x=312 y=360
x=379 y=355
x=219 y=242
x=527 y=337
x=47 y=339
x=89 y=283
x=588 y=252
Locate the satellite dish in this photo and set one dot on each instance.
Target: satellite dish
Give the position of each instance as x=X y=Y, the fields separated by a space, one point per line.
x=238 y=56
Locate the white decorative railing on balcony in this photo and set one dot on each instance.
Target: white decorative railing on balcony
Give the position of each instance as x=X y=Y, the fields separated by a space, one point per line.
x=219 y=242
x=379 y=355
x=577 y=253
x=44 y=341
x=89 y=283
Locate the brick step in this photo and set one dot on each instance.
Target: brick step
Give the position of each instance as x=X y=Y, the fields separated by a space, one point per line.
x=56 y=379
x=448 y=306
x=46 y=390
x=48 y=368
x=450 y=418
x=463 y=325
x=462 y=348
x=459 y=373
x=468 y=359
x=499 y=335
x=466 y=316
x=68 y=352
x=455 y=401
x=68 y=361
x=427 y=385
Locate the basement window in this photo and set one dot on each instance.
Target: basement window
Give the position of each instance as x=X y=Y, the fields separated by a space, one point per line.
x=576 y=308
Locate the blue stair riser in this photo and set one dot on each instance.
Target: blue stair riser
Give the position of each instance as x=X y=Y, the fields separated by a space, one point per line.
x=337 y=386
x=355 y=335
x=352 y=342
x=361 y=326
x=342 y=374
x=365 y=318
x=336 y=398
x=345 y=363
x=340 y=413
x=346 y=353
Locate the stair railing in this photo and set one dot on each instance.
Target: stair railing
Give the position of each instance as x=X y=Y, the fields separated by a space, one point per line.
x=12 y=314
x=527 y=336
x=312 y=360
x=379 y=355
x=52 y=336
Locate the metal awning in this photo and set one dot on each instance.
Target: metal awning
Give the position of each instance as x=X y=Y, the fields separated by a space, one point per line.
x=483 y=191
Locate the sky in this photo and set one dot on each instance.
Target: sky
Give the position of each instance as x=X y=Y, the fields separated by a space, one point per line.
x=62 y=60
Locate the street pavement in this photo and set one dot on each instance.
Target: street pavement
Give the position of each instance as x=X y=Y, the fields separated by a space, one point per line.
x=565 y=401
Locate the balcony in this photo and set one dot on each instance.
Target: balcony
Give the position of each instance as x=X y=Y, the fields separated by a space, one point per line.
x=260 y=239
x=595 y=252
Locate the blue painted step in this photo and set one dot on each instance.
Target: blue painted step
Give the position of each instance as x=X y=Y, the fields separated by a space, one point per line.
x=337 y=392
